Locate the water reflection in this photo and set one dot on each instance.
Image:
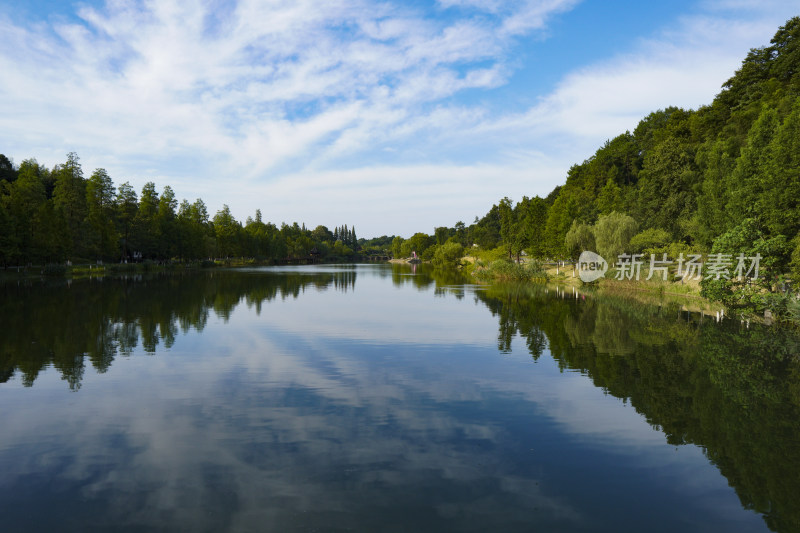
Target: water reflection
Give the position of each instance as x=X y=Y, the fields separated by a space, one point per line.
x=733 y=390
x=61 y=324
x=298 y=399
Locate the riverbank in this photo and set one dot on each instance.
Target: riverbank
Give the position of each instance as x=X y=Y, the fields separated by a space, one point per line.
x=565 y=278
x=83 y=270
x=97 y=270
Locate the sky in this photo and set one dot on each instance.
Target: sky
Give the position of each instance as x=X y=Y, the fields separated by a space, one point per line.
x=392 y=117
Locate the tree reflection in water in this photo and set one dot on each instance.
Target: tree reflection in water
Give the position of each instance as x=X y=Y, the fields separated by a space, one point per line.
x=733 y=391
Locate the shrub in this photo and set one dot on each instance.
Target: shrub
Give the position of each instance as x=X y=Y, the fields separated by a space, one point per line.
x=505 y=270
x=448 y=255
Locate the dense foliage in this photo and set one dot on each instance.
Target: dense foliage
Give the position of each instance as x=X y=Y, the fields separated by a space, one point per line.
x=722 y=178
x=52 y=215
x=682 y=177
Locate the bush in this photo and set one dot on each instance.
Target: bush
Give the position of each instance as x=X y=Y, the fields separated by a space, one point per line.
x=505 y=270
x=448 y=255
x=653 y=240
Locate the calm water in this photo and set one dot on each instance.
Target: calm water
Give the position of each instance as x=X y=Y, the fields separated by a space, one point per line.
x=374 y=398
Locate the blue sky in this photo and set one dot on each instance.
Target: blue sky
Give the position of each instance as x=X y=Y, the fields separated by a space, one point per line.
x=395 y=117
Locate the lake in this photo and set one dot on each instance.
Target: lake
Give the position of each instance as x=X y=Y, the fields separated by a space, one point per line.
x=386 y=398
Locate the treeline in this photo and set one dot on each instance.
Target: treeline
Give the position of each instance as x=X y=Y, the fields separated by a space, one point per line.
x=53 y=215
x=722 y=178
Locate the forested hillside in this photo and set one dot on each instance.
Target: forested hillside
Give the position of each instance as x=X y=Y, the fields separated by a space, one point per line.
x=722 y=178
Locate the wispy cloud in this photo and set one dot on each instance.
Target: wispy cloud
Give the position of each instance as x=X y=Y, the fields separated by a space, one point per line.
x=225 y=101
x=263 y=78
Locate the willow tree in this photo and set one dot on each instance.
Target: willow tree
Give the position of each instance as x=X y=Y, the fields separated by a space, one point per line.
x=613 y=233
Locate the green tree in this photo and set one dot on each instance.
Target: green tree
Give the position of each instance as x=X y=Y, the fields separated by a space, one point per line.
x=26 y=204
x=441 y=234
x=448 y=254
x=397 y=244
x=195 y=240
x=610 y=198
x=559 y=219
x=8 y=245
x=226 y=229
x=795 y=260
x=749 y=239
x=580 y=237
x=780 y=200
x=613 y=233
x=145 y=223
x=166 y=224
x=667 y=184
x=103 y=238
x=419 y=242
x=651 y=240
x=506 y=211
x=127 y=205
x=534 y=224
x=69 y=200
x=322 y=234
x=7 y=171
x=712 y=203
x=747 y=182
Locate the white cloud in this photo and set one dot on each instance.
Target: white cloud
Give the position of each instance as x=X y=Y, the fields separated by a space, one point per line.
x=264 y=100
x=683 y=67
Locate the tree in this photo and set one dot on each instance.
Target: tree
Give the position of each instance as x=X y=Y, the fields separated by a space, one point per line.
x=779 y=204
x=749 y=239
x=559 y=219
x=419 y=242
x=26 y=202
x=534 y=223
x=69 y=200
x=508 y=226
x=145 y=223
x=712 y=203
x=166 y=226
x=8 y=245
x=667 y=185
x=442 y=234
x=613 y=234
x=486 y=231
x=580 y=237
x=322 y=234
x=795 y=260
x=397 y=244
x=226 y=229
x=448 y=254
x=747 y=182
x=194 y=239
x=652 y=240
x=610 y=198
x=7 y=171
x=127 y=206
x=100 y=206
